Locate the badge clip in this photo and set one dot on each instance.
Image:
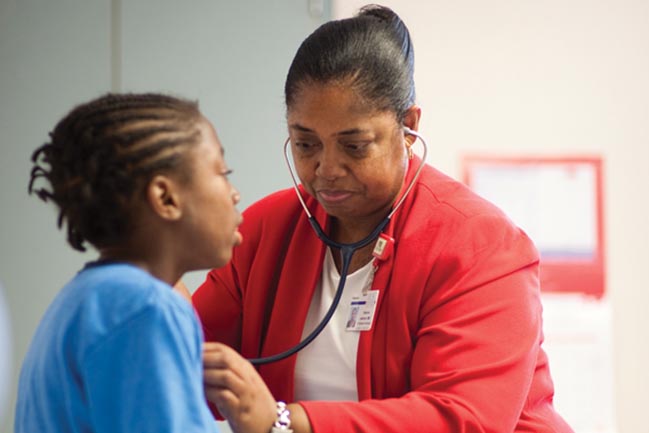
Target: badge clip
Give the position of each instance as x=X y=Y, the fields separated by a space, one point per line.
x=383 y=247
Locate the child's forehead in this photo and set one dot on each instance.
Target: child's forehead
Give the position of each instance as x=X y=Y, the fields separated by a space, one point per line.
x=209 y=141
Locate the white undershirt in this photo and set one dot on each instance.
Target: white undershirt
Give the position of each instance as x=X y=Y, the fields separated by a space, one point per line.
x=326 y=368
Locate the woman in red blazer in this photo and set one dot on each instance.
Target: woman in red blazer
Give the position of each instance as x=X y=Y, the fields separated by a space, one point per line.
x=439 y=332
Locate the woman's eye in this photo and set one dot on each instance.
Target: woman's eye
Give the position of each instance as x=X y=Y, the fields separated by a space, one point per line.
x=305 y=146
x=355 y=147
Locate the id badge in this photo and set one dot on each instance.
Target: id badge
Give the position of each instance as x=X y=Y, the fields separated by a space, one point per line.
x=361 y=311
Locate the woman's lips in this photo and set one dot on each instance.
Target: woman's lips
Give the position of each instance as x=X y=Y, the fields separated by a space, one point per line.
x=333 y=197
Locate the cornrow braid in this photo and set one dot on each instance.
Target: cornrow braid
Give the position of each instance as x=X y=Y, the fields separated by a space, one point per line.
x=104 y=152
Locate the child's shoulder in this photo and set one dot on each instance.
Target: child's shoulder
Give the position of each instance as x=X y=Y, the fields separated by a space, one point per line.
x=111 y=295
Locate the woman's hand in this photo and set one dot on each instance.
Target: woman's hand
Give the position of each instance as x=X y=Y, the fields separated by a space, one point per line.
x=237 y=390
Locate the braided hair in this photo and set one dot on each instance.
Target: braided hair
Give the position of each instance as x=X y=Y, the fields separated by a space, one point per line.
x=103 y=153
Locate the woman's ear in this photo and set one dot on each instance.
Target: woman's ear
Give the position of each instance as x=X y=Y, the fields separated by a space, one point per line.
x=411 y=121
x=163 y=196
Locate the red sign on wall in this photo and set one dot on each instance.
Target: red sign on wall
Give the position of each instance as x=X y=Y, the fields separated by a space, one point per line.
x=558 y=202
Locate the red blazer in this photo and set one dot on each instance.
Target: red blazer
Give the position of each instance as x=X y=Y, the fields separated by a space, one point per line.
x=456 y=340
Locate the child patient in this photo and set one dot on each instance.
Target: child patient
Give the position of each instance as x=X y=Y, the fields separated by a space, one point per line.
x=142 y=179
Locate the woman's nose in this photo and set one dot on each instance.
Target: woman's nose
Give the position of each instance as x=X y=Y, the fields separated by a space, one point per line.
x=330 y=163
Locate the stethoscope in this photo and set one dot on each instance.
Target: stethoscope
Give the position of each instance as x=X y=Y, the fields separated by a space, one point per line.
x=346 y=250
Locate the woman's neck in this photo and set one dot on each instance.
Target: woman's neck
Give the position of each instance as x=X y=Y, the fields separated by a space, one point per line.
x=350 y=231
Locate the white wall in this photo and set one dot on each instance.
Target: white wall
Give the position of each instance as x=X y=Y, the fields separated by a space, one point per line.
x=231 y=55
x=567 y=77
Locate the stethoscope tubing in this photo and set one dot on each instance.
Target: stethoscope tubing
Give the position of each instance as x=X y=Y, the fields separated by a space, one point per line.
x=346 y=251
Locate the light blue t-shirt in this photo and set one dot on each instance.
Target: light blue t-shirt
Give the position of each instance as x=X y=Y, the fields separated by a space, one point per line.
x=116 y=351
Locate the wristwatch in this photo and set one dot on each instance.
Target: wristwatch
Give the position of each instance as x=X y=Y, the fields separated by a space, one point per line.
x=283 y=421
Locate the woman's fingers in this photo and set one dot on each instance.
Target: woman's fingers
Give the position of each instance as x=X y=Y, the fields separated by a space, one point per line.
x=222 y=378
x=215 y=355
x=239 y=393
x=225 y=368
x=225 y=400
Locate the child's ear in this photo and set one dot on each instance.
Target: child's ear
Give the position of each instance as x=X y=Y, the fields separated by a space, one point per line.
x=163 y=195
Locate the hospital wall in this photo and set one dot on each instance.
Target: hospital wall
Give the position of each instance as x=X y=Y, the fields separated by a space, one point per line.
x=554 y=77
